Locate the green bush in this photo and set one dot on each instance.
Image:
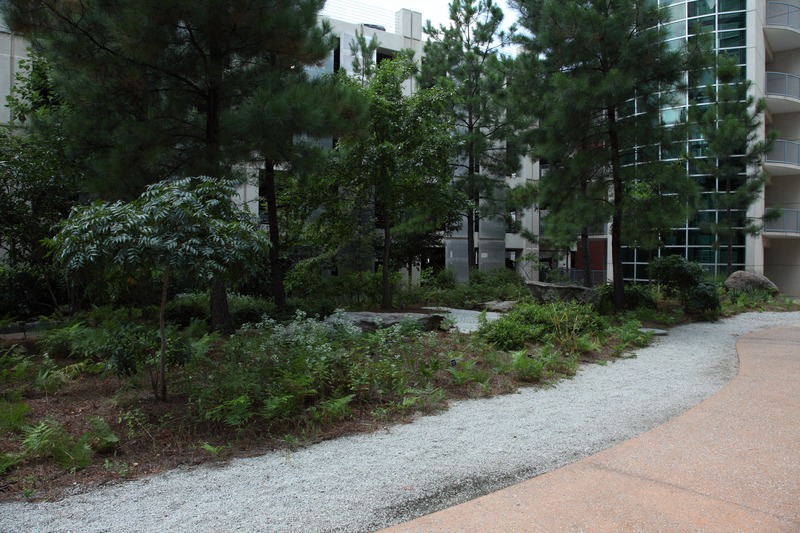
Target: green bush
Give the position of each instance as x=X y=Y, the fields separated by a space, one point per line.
x=675 y=274
x=703 y=299
x=483 y=286
x=637 y=296
x=570 y=326
x=186 y=308
x=25 y=289
x=689 y=282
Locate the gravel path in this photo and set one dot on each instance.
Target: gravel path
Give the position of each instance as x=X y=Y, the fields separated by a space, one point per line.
x=365 y=482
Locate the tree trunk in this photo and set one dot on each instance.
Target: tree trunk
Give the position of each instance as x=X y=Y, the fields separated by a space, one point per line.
x=160 y=386
x=471 y=263
x=729 y=222
x=220 y=314
x=386 y=288
x=616 y=219
x=587 y=267
x=276 y=272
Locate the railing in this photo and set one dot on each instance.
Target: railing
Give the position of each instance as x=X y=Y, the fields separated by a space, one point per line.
x=783 y=14
x=787 y=152
x=789 y=222
x=780 y=84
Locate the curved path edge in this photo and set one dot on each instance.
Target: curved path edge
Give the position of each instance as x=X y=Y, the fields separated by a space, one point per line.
x=731 y=463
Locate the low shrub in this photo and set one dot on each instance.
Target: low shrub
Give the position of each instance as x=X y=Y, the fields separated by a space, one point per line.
x=637 y=296
x=570 y=326
x=186 y=308
x=688 y=281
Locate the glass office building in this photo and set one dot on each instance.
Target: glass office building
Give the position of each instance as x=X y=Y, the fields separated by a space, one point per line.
x=764 y=36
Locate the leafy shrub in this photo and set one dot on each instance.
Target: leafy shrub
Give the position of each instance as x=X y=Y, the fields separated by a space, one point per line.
x=675 y=274
x=688 y=281
x=568 y=325
x=439 y=279
x=637 y=296
x=25 y=289
x=188 y=307
x=703 y=299
x=483 y=286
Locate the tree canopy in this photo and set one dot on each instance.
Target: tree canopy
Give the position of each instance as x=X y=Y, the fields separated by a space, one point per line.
x=185 y=227
x=731 y=152
x=597 y=76
x=464 y=57
x=399 y=165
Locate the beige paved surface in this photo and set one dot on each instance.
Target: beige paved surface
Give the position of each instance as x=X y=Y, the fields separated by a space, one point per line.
x=730 y=464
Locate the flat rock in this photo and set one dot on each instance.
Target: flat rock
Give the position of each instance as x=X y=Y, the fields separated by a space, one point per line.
x=369 y=322
x=655 y=331
x=497 y=306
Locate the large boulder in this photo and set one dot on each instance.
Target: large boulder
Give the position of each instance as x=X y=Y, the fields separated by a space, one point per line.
x=550 y=292
x=745 y=281
x=369 y=322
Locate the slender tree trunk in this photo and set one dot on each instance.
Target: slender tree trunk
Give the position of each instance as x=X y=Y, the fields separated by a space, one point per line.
x=276 y=272
x=472 y=263
x=616 y=219
x=161 y=379
x=386 y=288
x=220 y=314
x=587 y=267
x=729 y=222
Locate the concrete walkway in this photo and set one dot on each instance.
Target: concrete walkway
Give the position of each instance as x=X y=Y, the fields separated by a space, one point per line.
x=731 y=463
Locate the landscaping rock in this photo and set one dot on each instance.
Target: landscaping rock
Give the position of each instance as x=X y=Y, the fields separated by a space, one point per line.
x=550 y=292
x=497 y=306
x=370 y=322
x=744 y=281
x=655 y=331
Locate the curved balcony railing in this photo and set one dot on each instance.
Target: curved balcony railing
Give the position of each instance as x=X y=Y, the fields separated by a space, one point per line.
x=783 y=14
x=780 y=84
x=789 y=222
x=785 y=152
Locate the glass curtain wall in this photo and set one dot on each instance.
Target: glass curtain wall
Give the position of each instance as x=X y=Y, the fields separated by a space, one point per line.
x=726 y=20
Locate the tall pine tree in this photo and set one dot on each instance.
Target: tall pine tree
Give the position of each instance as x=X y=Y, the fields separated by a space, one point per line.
x=733 y=154
x=157 y=88
x=598 y=74
x=465 y=58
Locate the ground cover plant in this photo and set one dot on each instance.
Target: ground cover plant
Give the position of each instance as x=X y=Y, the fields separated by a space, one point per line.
x=76 y=408
x=75 y=412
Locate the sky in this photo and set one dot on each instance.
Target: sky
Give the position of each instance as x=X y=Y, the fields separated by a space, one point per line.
x=438 y=11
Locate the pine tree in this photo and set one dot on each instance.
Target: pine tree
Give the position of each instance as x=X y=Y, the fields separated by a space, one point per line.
x=733 y=154
x=465 y=58
x=157 y=88
x=598 y=74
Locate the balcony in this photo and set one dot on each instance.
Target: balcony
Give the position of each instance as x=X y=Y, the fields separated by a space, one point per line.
x=783 y=159
x=788 y=225
x=783 y=93
x=782 y=28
